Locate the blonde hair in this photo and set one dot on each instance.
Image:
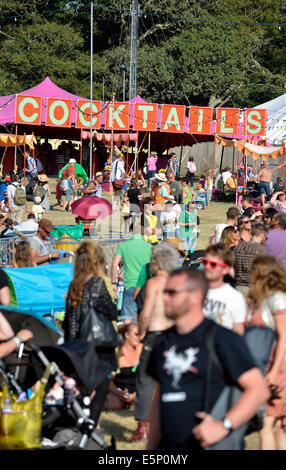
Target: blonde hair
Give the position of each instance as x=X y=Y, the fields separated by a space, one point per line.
x=226 y=236
x=86 y=263
x=267 y=276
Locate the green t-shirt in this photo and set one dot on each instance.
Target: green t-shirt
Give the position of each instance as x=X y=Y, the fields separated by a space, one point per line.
x=188 y=231
x=135 y=253
x=142 y=278
x=188 y=195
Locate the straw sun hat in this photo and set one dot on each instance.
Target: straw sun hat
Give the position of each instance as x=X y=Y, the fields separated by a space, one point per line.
x=43 y=178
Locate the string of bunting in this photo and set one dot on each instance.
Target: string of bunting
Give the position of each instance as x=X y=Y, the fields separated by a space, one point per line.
x=93 y=114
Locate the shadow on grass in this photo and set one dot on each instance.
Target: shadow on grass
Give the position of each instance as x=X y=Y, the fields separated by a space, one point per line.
x=121 y=425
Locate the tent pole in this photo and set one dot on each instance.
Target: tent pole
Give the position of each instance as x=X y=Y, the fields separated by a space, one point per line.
x=127 y=156
x=111 y=141
x=80 y=157
x=25 y=161
x=91 y=87
x=233 y=159
x=15 y=151
x=33 y=157
x=221 y=159
x=245 y=174
x=181 y=152
x=136 y=155
x=213 y=165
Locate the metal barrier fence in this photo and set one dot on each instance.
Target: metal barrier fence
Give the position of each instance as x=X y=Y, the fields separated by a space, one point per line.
x=70 y=244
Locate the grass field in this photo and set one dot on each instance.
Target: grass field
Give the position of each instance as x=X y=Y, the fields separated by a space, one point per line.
x=121 y=424
x=208 y=218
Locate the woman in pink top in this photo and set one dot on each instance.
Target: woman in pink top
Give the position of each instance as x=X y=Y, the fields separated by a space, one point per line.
x=151 y=163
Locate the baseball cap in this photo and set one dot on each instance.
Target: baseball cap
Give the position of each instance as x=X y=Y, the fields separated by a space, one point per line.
x=99 y=173
x=38 y=199
x=72 y=160
x=47 y=225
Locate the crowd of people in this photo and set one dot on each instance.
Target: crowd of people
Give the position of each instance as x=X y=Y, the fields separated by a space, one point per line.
x=159 y=368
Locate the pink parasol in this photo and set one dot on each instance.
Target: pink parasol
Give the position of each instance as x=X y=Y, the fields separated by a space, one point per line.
x=91 y=208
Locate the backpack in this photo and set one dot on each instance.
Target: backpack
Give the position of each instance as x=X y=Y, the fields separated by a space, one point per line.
x=39 y=165
x=40 y=192
x=19 y=196
x=141 y=295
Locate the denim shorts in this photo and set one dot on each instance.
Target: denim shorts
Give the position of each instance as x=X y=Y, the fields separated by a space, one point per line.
x=129 y=307
x=68 y=195
x=264 y=188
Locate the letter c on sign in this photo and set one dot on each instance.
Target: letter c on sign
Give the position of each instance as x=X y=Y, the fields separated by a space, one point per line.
x=21 y=110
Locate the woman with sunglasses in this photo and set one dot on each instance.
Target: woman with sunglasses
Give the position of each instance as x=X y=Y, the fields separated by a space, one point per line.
x=230 y=237
x=244 y=228
x=267 y=301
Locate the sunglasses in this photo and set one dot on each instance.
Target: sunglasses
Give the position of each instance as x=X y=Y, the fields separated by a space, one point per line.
x=172 y=292
x=212 y=264
x=246 y=221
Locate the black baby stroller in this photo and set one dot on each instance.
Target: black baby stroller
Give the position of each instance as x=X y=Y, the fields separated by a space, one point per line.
x=76 y=371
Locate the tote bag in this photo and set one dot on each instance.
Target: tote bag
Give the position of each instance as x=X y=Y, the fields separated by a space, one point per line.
x=95 y=326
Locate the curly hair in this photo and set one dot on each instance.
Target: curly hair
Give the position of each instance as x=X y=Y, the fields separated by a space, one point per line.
x=267 y=276
x=86 y=264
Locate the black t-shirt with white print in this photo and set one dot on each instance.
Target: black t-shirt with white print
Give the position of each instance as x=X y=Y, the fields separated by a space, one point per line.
x=178 y=363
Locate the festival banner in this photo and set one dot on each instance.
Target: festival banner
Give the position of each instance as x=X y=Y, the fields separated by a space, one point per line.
x=83 y=114
x=28 y=110
x=255 y=122
x=117 y=116
x=145 y=117
x=227 y=121
x=59 y=112
x=200 y=120
x=173 y=118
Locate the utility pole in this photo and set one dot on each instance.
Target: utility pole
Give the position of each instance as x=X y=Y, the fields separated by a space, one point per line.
x=133 y=50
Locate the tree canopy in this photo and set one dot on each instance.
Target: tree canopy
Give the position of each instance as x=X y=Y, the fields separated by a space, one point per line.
x=191 y=52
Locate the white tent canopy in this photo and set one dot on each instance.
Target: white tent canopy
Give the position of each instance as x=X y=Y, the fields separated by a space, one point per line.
x=276 y=120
